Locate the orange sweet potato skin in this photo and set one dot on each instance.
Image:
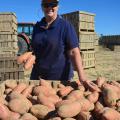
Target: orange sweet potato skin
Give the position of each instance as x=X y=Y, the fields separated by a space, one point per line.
x=4 y=112
x=23 y=58
x=29 y=63
x=69 y=110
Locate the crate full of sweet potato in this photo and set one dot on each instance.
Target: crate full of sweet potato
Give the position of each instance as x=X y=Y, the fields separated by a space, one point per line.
x=52 y=100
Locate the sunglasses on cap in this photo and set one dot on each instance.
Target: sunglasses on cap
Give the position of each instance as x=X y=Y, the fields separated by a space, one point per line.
x=52 y=4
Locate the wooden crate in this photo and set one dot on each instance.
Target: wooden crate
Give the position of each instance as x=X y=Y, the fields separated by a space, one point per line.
x=88 y=58
x=7 y=54
x=87 y=36
x=9 y=62
x=9 y=69
x=82 y=21
x=6 y=37
x=8 y=27
x=86 y=45
x=8 y=44
x=12 y=75
x=8 y=16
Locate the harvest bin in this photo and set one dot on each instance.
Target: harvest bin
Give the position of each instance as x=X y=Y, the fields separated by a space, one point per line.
x=46 y=106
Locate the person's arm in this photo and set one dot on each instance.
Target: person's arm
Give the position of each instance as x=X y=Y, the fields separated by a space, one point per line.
x=77 y=63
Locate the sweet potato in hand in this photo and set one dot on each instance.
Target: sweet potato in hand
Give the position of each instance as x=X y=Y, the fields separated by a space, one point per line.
x=23 y=58
x=29 y=62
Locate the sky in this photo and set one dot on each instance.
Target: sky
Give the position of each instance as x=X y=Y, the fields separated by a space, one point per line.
x=107 y=19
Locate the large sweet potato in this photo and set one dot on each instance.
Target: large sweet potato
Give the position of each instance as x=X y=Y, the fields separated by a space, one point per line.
x=42 y=89
x=20 y=87
x=4 y=112
x=28 y=116
x=86 y=105
x=63 y=102
x=76 y=94
x=10 y=84
x=14 y=116
x=110 y=114
x=100 y=81
x=39 y=111
x=45 y=83
x=65 y=91
x=44 y=100
x=23 y=58
x=22 y=105
x=110 y=95
x=93 y=97
x=29 y=62
x=84 y=116
x=69 y=110
x=27 y=90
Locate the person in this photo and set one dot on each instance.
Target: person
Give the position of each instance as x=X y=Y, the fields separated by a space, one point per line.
x=56 y=47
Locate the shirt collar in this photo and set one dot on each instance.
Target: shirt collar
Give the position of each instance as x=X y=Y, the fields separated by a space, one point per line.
x=43 y=23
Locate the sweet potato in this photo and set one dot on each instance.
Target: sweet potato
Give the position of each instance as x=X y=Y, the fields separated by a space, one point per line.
x=55 y=118
x=54 y=99
x=10 y=84
x=110 y=114
x=81 y=88
x=7 y=91
x=76 y=94
x=65 y=91
x=22 y=105
x=86 y=105
x=14 y=95
x=63 y=102
x=4 y=112
x=84 y=116
x=23 y=58
x=28 y=116
x=61 y=86
x=3 y=101
x=110 y=95
x=39 y=111
x=116 y=84
x=29 y=62
x=42 y=99
x=100 y=81
x=69 y=110
x=69 y=119
x=97 y=110
x=33 y=99
x=93 y=97
x=44 y=90
x=27 y=90
x=14 y=116
x=118 y=106
x=45 y=83
x=19 y=88
x=91 y=86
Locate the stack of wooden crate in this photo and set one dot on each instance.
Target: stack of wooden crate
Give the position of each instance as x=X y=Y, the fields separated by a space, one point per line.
x=85 y=28
x=9 y=69
x=8 y=33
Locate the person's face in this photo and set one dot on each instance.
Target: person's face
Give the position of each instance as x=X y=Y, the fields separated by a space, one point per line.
x=50 y=9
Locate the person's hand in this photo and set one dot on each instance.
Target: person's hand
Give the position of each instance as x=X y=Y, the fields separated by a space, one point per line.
x=89 y=85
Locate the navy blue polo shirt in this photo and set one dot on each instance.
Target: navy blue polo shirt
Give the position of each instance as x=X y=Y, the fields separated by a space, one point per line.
x=51 y=48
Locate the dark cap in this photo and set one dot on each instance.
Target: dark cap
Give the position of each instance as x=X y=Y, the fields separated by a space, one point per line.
x=49 y=1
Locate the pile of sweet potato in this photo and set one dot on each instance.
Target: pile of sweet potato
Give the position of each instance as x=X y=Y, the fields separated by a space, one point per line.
x=55 y=101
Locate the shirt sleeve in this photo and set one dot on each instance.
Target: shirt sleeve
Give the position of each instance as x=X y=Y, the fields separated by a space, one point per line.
x=71 y=39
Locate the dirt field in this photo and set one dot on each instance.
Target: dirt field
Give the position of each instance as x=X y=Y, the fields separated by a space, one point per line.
x=107 y=65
